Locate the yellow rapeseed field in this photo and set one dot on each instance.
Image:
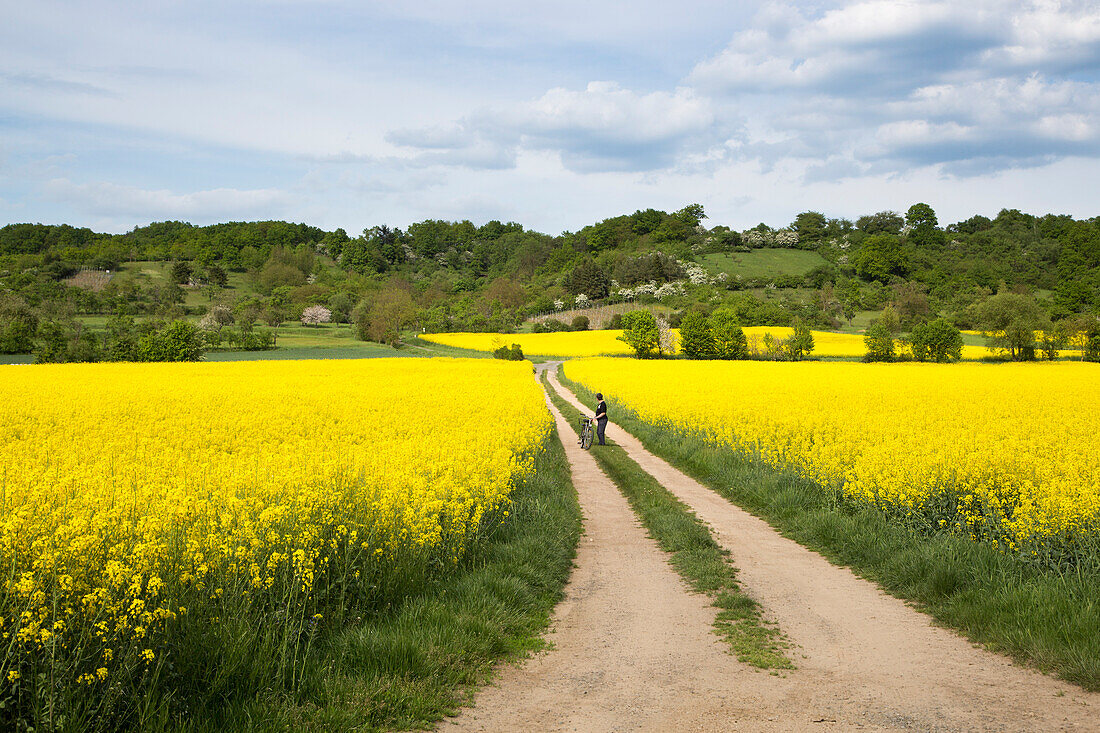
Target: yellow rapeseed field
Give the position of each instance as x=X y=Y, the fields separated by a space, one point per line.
x=606 y=343
x=1006 y=453
x=566 y=343
x=831 y=344
x=142 y=500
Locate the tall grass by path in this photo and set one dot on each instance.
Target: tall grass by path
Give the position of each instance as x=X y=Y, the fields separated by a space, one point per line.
x=695 y=554
x=420 y=660
x=1048 y=619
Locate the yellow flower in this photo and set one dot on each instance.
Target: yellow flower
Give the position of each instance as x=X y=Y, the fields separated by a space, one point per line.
x=1006 y=454
x=206 y=487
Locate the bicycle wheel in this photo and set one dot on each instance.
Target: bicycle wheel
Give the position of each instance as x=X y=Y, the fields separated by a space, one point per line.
x=586 y=436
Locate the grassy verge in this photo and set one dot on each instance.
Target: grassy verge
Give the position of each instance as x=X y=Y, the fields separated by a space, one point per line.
x=419 y=662
x=1048 y=619
x=695 y=555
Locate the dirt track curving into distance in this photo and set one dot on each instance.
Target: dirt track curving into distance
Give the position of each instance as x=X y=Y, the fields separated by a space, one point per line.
x=633 y=650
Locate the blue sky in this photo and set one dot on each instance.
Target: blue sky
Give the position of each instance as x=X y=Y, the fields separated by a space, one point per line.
x=350 y=114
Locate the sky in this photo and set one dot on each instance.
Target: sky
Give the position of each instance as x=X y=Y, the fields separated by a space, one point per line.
x=349 y=113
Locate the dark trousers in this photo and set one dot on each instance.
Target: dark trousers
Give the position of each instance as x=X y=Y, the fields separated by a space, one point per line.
x=601 y=425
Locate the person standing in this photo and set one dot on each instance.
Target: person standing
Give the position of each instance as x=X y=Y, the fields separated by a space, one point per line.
x=601 y=417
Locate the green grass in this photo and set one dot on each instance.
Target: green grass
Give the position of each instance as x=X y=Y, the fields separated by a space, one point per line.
x=419 y=662
x=294 y=335
x=1047 y=619
x=762 y=263
x=695 y=554
x=860 y=321
x=426 y=348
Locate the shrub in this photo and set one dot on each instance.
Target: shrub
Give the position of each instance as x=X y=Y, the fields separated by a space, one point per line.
x=216 y=317
x=550 y=325
x=18 y=326
x=515 y=353
x=580 y=323
x=1091 y=352
x=640 y=331
x=181 y=272
x=801 y=342
x=179 y=341
x=879 y=342
x=937 y=341
x=729 y=339
x=696 y=336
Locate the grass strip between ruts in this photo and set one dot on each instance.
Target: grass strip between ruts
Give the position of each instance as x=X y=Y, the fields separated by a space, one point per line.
x=695 y=554
x=1044 y=618
x=421 y=661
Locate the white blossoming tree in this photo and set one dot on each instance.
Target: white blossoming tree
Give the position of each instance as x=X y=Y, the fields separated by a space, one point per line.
x=315 y=315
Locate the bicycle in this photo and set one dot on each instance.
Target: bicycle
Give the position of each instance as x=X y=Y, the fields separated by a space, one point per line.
x=586 y=432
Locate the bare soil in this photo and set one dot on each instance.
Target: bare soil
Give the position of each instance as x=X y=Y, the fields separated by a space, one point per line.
x=633 y=647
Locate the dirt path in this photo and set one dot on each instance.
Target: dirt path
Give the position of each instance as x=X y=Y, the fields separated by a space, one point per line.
x=632 y=646
x=863 y=655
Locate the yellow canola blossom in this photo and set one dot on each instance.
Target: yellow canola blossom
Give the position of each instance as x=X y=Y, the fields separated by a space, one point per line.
x=606 y=343
x=566 y=343
x=1005 y=453
x=139 y=497
x=831 y=344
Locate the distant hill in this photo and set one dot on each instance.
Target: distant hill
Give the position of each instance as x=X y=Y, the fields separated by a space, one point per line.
x=454 y=275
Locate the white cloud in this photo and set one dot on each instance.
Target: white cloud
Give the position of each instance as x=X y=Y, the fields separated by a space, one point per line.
x=907 y=82
x=1073 y=127
x=602 y=127
x=110 y=199
x=607 y=110
x=370 y=112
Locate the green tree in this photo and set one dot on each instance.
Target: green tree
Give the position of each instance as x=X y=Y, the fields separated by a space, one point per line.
x=729 y=339
x=181 y=272
x=879 y=257
x=217 y=276
x=641 y=333
x=884 y=222
x=801 y=342
x=179 y=341
x=811 y=226
x=1009 y=322
x=849 y=299
x=692 y=215
x=644 y=222
x=588 y=278
x=52 y=344
x=122 y=339
x=920 y=215
x=696 y=337
x=937 y=340
x=18 y=326
x=923 y=226
x=381 y=316
x=1053 y=339
x=1091 y=346
x=890 y=320
x=879 y=342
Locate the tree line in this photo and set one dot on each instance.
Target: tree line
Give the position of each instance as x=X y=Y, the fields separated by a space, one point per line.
x=443 y=276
